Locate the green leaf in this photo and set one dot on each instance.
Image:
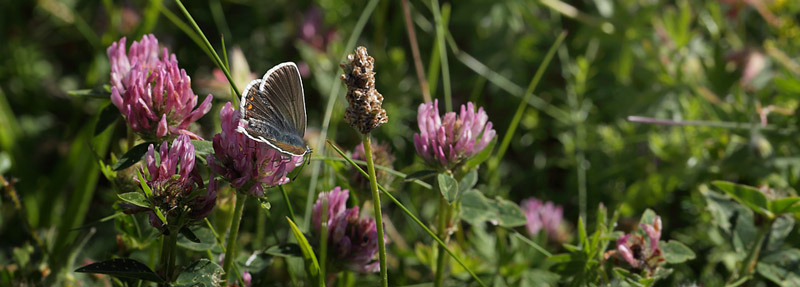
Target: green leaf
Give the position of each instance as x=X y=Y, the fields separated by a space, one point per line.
x=148 y=193
x=132 y=156
x=481 y=156
x=200 y=273
x=103 y=92
x=420 y=174
x=468 y=181
x=107 y=117
x=747 y=195
x=785 y=205
x=203 y=239
x=202 y=148
x=582 y=234
x=189 y=235
x=476 y=208
x=781 y=267
x=676 y=252
x=135 y=198
x=285 y=250
x=122 y=267
x=312 y=266
x=448 y=186
x=648 y=217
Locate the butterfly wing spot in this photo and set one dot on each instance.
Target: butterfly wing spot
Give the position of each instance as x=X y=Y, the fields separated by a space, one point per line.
x=249 y=106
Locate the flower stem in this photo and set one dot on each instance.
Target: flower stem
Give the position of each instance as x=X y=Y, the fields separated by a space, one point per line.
x=230 y=250
x=376 y=201
x=168 y=252
x=441 y=258
x=750 y=261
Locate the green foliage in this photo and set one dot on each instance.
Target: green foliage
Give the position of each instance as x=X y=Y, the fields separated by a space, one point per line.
x=476 y=209
x=122 y=267
x=720 y=81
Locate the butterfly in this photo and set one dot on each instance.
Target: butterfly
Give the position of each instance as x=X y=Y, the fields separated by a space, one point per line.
x=274 y=110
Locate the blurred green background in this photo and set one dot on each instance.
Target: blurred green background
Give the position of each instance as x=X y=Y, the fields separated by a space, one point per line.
x=732 y=63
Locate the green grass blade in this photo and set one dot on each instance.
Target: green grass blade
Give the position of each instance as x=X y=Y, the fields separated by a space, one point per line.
x=210 y=48
x=186 y=29
x=384 y=168
x=512 y=127
x=412 y=216
x=531 y=243
x=312 y=265
x=440 y=31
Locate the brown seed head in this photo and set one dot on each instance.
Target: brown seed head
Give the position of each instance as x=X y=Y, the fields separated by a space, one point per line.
x=364 y=112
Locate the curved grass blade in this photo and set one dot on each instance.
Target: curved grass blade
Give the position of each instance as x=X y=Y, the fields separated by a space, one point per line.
x=312 y=266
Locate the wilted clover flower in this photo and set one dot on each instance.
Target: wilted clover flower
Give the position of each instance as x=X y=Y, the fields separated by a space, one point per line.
x=352 y=240
x=639 y=254
x=543 y=215
x=364 y=112
x=382 y=155
x=151 y=92
x=446 y=142
x=174 y=183
x=243 y=161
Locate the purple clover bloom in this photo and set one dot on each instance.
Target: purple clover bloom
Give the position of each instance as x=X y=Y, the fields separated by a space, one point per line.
x=172 y=180
x=151 y=92
x=352 y=240
x=243 y=161
x=543 y=215
x=447 y=141
x=639 y=254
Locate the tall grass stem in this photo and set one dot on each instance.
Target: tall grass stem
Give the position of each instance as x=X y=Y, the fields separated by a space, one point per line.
x=376 y=203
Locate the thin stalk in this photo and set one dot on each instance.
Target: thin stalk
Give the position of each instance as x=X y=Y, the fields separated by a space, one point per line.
x=230 y=252
x=222 y=246
x=210 y=48
x=411 y=215
x=287 y=202
x=333 y=95
x=752 y=256
x=715 y=124
x=376 y=204
x=442 y=230
x=227 y=66
x=412 y=39
x=440 y=30
x=186 y=29
x=323 y=242
x=512 y=127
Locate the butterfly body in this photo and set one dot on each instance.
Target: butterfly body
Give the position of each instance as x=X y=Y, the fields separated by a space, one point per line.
x=273 y=110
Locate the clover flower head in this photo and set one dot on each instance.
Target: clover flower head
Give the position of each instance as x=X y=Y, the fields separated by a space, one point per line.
x=173 y=181
x=151 y=92
x=352 y=240
x=638 y=253
x=543 y=215
x=243 y=161
x=446 y=142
